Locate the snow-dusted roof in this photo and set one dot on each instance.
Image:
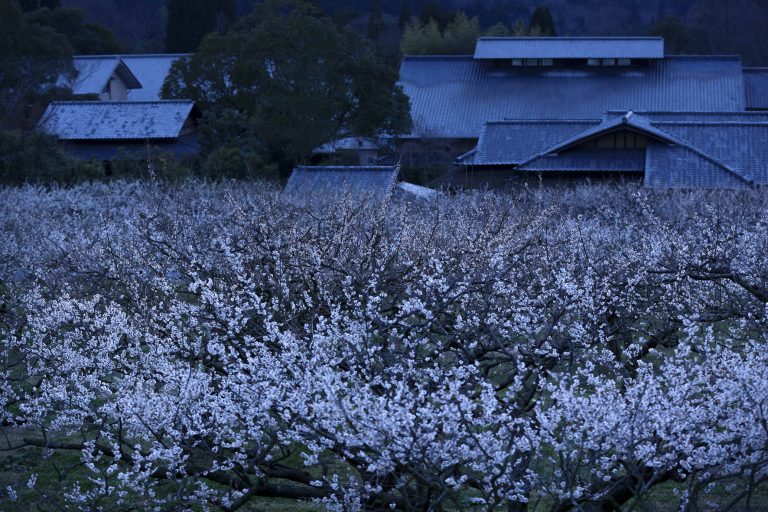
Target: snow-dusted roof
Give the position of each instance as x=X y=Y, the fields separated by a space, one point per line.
x=145 y=74
x=106 y=120
x=94 y=73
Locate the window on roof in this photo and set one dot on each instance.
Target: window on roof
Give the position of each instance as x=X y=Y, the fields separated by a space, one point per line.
x=593 y=62
x=547 y=62
x=609 y=62
x=531 y=62
x=517 y=62
x=625 y=62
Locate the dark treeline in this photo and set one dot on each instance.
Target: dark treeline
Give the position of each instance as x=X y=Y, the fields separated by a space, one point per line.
x=690 y=26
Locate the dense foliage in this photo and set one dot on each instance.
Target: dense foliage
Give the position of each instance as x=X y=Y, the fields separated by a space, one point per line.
x=283 y=82
x=550 y=350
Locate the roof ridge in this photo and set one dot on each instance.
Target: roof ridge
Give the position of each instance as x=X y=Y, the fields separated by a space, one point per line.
x=452 y=57
x=346 y=167
x=543 y=121
x=703 y=56
x=628 y=120
x=99 y=102
x=123 y=55
x=579 y=38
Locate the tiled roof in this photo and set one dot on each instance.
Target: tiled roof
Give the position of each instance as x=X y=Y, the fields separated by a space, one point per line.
x=453 y=97
x=679 y=167
x=104 y=120
x=589 y=160
x=756 y=83
x=363 y=182
x=93 y=74
x=629 y=121
x=695 y=150
x=512 y=143
x=149 y=70
x=570 y=48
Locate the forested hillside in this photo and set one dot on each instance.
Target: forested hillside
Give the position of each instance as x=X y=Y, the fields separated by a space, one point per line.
x=691 y=26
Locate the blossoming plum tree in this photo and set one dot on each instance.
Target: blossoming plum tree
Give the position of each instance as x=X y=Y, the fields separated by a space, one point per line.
x=210 y=345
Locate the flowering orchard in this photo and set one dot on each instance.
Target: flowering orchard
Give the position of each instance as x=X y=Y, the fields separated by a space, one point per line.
x=206 y=347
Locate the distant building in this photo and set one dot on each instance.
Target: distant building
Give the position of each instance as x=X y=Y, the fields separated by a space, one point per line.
x=107 y=78
x=104 y=130
x=659 y=149
x=526 y=108
x=122 y=77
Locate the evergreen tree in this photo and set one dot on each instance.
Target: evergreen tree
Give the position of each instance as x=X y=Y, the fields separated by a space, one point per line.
x=375 y=21
x=284 y=81
x=542 y=19
x=190 y=20
x=498 y=30
x=677 y=37
x=458 y=38
x=405 y=15
x=33 y=5
x=85 y=38
x=32 y=60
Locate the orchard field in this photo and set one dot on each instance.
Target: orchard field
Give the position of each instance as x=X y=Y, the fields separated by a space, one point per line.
x=205 y=346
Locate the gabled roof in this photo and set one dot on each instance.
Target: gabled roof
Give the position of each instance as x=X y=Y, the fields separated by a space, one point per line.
x=756 y=83
x=148 y=70
x=570 y=48
x=327 y=183
x=106 y=120
x=453 y=97
x=94 y=74
x=628 y=121
x=685 y=149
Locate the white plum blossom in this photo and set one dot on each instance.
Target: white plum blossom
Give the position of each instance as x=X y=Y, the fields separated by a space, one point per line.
x=203 y=346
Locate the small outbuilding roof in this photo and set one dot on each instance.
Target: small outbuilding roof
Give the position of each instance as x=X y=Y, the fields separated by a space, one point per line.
x=358 y=182
x=495 y=48
x=94 y=73
x=106 y=120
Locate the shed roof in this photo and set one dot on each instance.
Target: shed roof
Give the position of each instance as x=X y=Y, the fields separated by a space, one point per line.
x=359 y=182
x=94 y=72
x=453 y=97
x=569 y=48
x=107 y=120
x=756 y=84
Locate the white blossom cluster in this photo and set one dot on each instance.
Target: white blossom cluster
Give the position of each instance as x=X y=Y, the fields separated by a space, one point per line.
x=205 y=346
